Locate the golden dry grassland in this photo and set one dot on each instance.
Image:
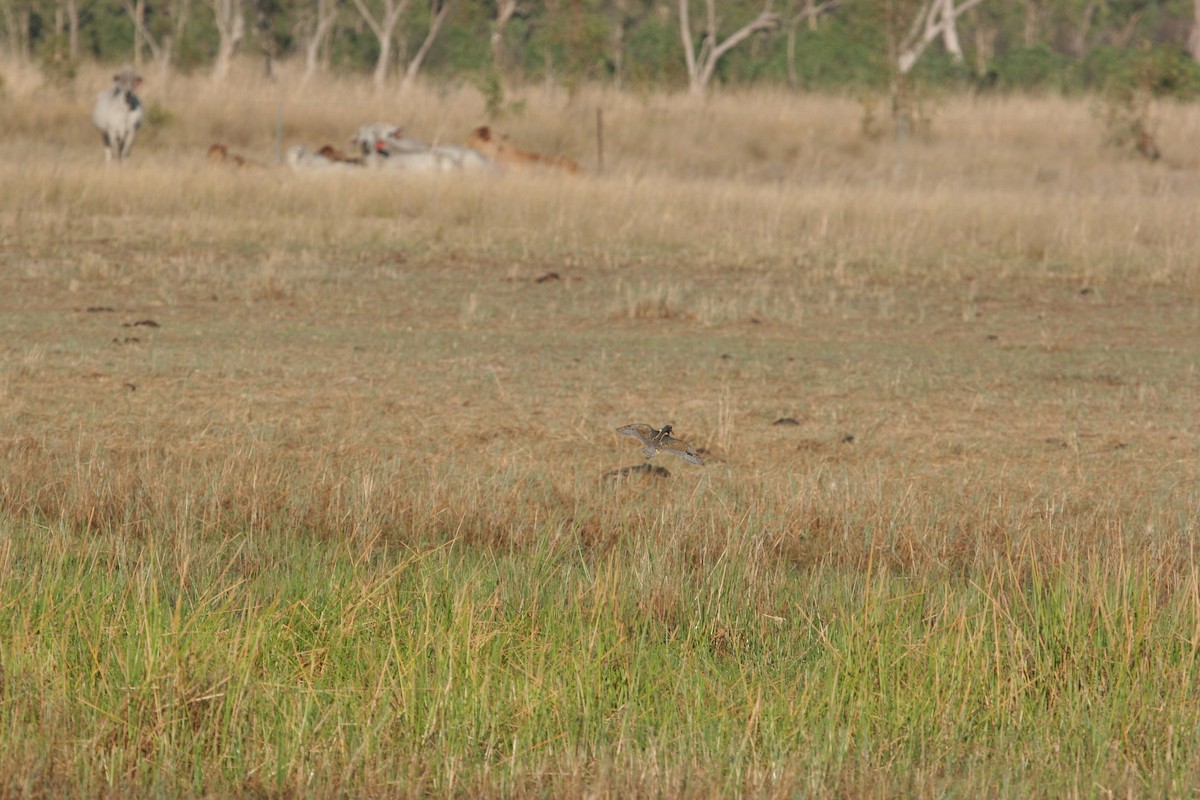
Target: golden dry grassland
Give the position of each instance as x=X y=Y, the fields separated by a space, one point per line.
x=302 y=476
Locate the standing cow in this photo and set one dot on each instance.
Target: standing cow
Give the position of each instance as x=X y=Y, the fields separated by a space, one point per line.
x=118 y=114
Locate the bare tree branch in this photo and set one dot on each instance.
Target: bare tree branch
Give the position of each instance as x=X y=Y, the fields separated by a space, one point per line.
x=935 y=18
x=811 y=12
x=326 y=14
x=438 y=11
x=384 y=29
x=231 y=27
x=1194 y=37
x=702 y=66
x=505 y=11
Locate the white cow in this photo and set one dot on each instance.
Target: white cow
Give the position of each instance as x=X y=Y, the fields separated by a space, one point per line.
x=386 y=147
x=379 y=137
x=463 y=157
x=118 y=114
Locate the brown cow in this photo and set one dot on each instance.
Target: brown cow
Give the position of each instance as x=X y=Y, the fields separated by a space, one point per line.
x=499 y=150
x=219 y=154
x=333 y=154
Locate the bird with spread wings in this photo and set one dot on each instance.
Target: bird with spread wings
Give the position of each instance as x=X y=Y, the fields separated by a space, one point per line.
x=660 y=441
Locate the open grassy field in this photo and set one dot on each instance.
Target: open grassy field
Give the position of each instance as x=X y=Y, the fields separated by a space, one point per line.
x=302 y=477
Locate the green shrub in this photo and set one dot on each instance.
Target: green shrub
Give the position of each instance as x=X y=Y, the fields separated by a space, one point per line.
x=1024 y=68
x=1134 y=81
x=55 y=62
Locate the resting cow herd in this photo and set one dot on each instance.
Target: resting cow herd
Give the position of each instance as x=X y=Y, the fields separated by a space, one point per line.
x=118 y=114
x=384 y=146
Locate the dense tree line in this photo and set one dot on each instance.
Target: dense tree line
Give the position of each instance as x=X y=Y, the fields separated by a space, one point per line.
x=1065 y=45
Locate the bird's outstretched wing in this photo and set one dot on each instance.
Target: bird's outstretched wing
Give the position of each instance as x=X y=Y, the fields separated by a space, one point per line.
x=655 y=441
x=686 y=453
x=640 y=431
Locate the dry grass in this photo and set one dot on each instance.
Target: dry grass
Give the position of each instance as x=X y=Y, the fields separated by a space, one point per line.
x=341 y=510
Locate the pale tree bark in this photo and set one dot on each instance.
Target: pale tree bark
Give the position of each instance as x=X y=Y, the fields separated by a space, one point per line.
x=808 y=13
x=1194 y=37
x=621 y=12
x=1079 y=36
x=703 y=64
x=73 y=30
x=935 y=19
x=161 y=49
x=231 y=27
x=438 y=10
x=137 y=10
x=505 y=11
x=26 y=17
x=985 y=47
x=326 y=16
x=1029 y=27
x=384 y=29
x=12 y=28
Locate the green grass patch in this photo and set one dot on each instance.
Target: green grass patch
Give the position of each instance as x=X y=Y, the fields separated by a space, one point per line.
x=185 y=669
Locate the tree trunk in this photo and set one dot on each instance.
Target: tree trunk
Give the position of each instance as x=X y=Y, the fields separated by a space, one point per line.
x=139 y=26
x=505 y=9
x=934 y=19
x=1079 y=37
x=950 y=39
x=811 y=12
x=1194 y=37
x=702 y=65
x=985 y=48
x=142 y=39
x=73 y=29
x=10 y=26
x=793 y=75
x=621 y=10
x=17 y=22
x=231 y=27
x=327 y=13
x=384 y=29
x=182 y=11
x=26 y=16
x=1030 y=27
x=438 y=11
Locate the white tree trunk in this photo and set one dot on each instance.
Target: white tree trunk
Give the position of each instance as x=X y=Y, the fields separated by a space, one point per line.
x=438 y=11
x=935 y=18
x=1194 y=37
x=327 y=13
x=384 y=29
x=811 y=12
x=138 y=11
x=231 y=27
x=11 y=25
x=73 y=29
x=505 y=9
x=702 y=65
x=160 y=52
x=950 y=39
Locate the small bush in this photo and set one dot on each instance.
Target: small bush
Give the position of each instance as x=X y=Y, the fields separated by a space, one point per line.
x=1026 y=68
x=159 y=116
x=1134 y=82
x=55 y=62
